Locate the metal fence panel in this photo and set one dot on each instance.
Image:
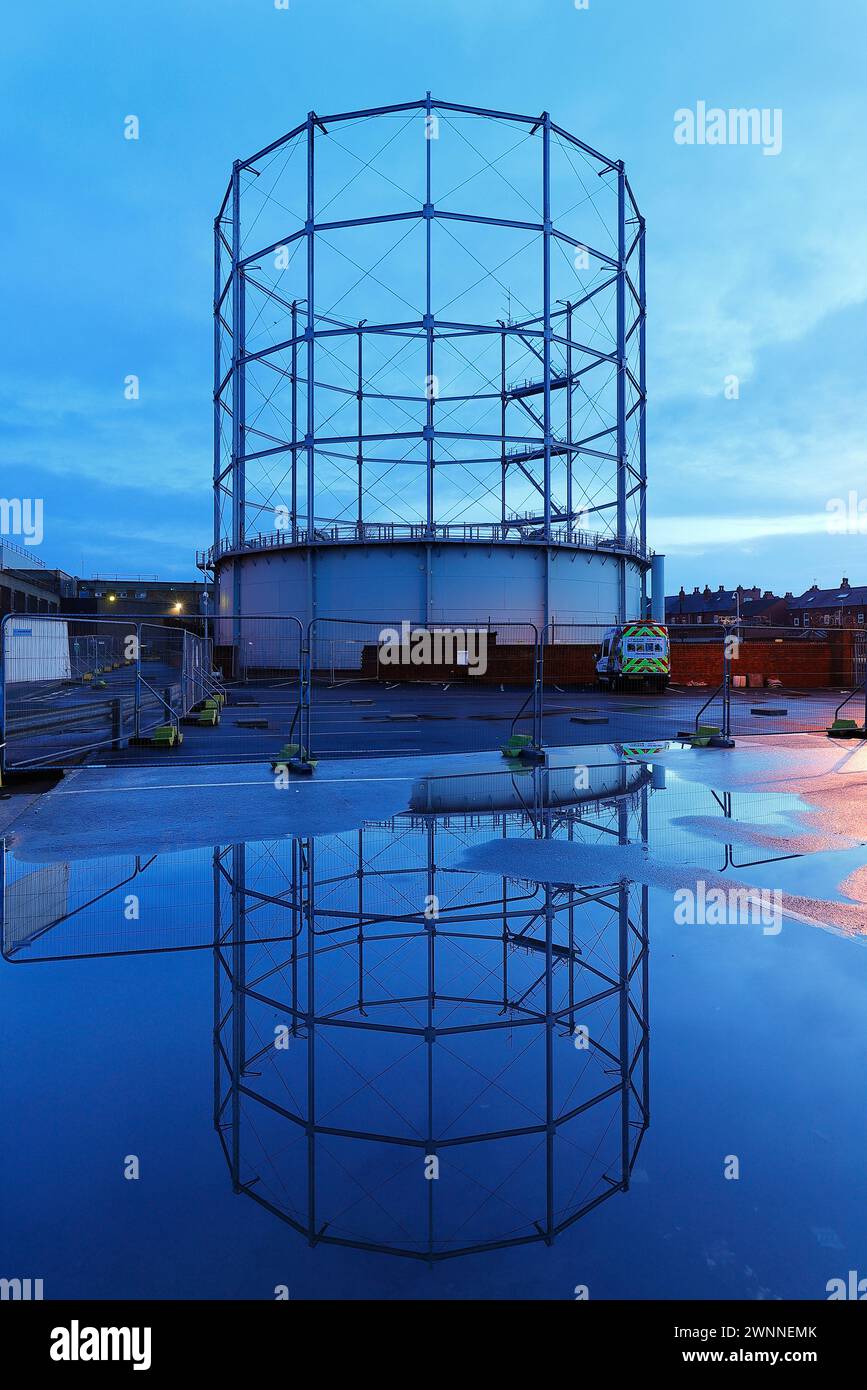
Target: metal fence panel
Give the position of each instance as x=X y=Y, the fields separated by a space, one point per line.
x=77 y=684
x=258 y=648
x=394 y=687
x=577 y=709
x=74 y=688
x=789 y=680
x=258 y=659
x=740 y=678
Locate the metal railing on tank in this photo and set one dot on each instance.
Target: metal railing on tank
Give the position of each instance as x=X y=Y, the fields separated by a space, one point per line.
x=514 y=531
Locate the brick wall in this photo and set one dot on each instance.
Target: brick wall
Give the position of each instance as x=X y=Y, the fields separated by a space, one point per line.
x=797 y=664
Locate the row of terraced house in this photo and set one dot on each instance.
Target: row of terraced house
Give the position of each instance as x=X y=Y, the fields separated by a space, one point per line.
x=843 y=606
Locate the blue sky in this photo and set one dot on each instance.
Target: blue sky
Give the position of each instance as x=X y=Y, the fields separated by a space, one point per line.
x=756 y=264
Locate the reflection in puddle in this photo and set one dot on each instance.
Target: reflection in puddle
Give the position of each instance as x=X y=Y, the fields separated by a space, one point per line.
x=430 y=1032
x=411 y=1055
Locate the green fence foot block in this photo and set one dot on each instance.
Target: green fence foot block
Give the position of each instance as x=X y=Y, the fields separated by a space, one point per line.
x=846 y=728
x=166 y=736
x=302 y=767
x=532 y=754
x=703 y=735
x=286 y=754
x=299 y=767
x=515 y=744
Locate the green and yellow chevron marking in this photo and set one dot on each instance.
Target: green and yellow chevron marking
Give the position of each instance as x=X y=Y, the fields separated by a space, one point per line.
x=638 y=665
x=644 y=630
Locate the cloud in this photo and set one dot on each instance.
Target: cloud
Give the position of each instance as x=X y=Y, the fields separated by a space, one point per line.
x=70 y=429
x=692 y=533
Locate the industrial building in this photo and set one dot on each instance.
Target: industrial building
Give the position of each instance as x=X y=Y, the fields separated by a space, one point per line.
x=429 y=383
x=27 y=585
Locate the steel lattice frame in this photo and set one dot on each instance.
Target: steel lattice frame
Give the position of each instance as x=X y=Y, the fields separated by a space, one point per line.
x=315 y=410
x=366 y=986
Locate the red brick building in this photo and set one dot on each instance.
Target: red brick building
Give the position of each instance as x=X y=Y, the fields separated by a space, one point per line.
x=706 y=606
x=845 y=606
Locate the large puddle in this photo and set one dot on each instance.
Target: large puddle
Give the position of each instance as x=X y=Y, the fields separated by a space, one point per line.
x=515 y=1029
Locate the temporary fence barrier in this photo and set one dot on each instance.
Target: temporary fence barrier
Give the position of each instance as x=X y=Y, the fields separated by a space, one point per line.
x=73 y=685
x=389 y=686
x=738 y=678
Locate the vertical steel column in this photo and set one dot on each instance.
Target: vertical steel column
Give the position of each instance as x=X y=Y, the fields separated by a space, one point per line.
x=642 y=409
x=310 y=1021
x=430 y=1030
x=218 y=261
x=305 y=676
x=359 y=935
x=294 y=512
x=550 y=1126
x=237 y=366
x=360 y=456
x=504 y=928
x=503 y=422
x=623 y=997
x=645 y=964
x=622 y=615
x=239 y=1009
x=238 y=402
x=569 y=420
x=428 y=322
x=218 y=979
x=297 y=918
x=310 y=330
x=546 y=279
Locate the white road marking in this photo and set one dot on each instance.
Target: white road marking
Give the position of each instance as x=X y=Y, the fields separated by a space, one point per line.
x=183 y=786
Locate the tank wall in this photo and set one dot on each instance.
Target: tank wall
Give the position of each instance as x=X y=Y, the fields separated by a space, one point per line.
x=584 y=587
x=477 y=582
x=384 y=584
